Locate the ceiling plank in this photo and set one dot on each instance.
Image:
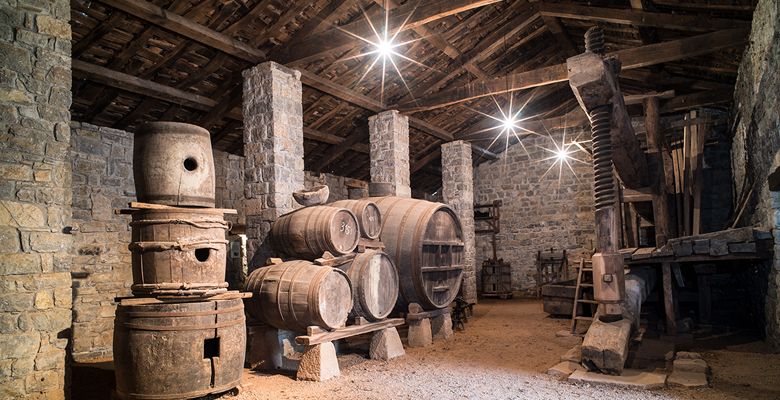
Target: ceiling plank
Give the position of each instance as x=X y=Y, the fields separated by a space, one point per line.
x=337 y=150
x=637 y=57
x=699 y=22
x=335 y=40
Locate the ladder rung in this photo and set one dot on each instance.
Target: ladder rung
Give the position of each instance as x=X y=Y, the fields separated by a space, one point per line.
x=587 y=301
x=578 y=318
x=586 y=284
x=587 y=269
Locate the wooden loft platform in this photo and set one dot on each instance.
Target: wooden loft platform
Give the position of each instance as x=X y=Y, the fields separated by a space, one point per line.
x=727 y=245
x=181 y=60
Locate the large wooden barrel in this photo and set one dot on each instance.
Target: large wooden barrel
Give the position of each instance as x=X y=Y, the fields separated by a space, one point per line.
x=310 y=231
x=178 y=350
x=367 y=213
x=297 y=294
x=173 y=165
x=178 y=251
x=425 y=241
x=374 y=282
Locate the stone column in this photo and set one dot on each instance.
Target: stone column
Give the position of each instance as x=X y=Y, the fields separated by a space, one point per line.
x=389 y=137
x=273 y=147
x=35 y=198
x=458 y=191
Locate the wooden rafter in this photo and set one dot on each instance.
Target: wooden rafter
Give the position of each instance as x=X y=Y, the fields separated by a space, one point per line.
x=631 y=58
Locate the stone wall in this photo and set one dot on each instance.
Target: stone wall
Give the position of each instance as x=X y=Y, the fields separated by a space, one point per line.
x=229 y=184
x=341 y=188
x=389 y=138
x=35 y=200
x=101 y=159
x=756 y=140
x=538 y=212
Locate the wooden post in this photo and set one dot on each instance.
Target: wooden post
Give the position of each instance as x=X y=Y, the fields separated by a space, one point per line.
x=655 y=146
x=671 y=321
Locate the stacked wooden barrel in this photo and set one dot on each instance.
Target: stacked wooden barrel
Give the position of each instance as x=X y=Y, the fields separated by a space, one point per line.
x=325 y=278
x=183 y=334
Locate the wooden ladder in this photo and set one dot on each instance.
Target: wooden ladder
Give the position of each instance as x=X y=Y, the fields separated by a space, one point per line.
x=578 y=292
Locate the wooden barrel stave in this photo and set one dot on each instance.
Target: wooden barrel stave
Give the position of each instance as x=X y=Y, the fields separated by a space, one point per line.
x=297 y=294
x=173 y=165
x=309 y=232
x=174 y=249
x=367 y=213
x=374 y=280
x=179 y=350
x=425 y=241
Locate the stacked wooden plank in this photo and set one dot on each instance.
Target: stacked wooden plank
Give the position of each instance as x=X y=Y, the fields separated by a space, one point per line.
x=731 y=244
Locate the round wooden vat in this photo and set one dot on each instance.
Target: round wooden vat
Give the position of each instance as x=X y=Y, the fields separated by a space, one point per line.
x=178 y=251
x=310 y=231
x=425 y=241
x=374 y=282
x=178 y=350
x=367 y=213
x=297 y=294
x=173 y=165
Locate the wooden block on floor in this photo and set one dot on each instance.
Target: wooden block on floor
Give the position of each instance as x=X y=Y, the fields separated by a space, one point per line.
x=605 y=347
x=630 y=378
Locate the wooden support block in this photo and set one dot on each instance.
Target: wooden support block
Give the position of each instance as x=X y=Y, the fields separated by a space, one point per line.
x=317 y=335
x=671 y=322
x=742 y=247
x=682 y=248
x=643 y=253
x=719 y=247
x=605 y=347
x=319 y=363
x=420 y=334
x=386 y=345
x=701 y=246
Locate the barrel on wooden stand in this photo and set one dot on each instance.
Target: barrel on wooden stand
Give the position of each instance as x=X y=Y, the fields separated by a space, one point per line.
x=310 y=231
x=173 y=165
x=178 y=251
x=294 y=295
x=374 y=282
x=178 y=350
x=367 y=213
x=425 y=241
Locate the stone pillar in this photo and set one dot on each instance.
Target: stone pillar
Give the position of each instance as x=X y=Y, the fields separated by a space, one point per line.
x=273 y=147
x=389 y=137
x=35 y=198
x=458 y=190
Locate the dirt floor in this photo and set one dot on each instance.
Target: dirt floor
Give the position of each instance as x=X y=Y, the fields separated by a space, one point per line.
x=504 y=354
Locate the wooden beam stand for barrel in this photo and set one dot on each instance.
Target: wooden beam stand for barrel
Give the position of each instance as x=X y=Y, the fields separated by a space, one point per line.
x=425 y=241
x=297 y=294
x=374 y=280
x=309 y=232
x=173 y=165
x=178 y=251
x=367 y=213
x=178 y=350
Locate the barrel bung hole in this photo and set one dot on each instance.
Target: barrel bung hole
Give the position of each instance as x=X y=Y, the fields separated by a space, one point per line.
x=211 y=348
x=202 y=255
x=190 y=164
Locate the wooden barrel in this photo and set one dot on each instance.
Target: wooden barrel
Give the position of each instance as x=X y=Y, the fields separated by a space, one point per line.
x=374 y=282
x=178 y=350
x=178 y=251
x=367 y=213
x=425 y=241
x=173 y=165
x=297 y=294
x=310 y=231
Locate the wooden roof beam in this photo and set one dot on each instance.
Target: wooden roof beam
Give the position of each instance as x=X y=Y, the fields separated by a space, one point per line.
x=336 y=40
x=637 y=57
x=640 y=18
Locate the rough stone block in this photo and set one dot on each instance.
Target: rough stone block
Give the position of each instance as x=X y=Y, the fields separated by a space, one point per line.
x=386 y=345
x=319 y=363
x=563 y=369
x=628 y=378
x=419 y=334
x=690 y=365
x=441 y=327
x=687 y=379
x=574 y=354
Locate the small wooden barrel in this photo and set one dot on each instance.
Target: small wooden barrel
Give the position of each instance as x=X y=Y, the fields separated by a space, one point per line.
x=425 y=241
x=179 y=350
x=297 y=294
x=178 y=251
x=173 y=165
x=310 y=231
x=367 y=213
x=374 y=282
